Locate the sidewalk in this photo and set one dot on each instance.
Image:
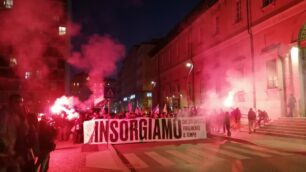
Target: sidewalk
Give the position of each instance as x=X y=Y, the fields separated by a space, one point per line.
x=85 y=158
x=274 y=142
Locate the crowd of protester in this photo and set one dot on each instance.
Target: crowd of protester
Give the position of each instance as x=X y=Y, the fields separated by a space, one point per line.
x=73 y=129
x=25 y=142
x=226 y=121
x=219 y=121
x=26 y=139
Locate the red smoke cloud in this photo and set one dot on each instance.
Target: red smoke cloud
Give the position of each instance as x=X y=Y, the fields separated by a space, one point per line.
x=98 y=57
x=30 y=34
x=27 y=29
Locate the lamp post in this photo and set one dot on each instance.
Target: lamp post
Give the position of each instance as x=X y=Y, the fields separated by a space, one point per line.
x=189 y=65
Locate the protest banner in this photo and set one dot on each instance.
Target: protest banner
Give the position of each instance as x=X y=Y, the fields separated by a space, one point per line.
x=118 y=131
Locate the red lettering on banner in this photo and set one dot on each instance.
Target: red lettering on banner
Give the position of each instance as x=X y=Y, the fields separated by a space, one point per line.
x=150 y=129
x=143 y=129
x=166 y=129
x=113 y=127
x=96 y=131
x=156 y=129
x=133 y=130
x=104 y=131
x=124 y=130
x=177 y=128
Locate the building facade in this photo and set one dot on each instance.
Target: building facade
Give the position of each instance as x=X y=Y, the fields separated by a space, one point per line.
x=33 y=48
x=249 y=52
x=137 y=77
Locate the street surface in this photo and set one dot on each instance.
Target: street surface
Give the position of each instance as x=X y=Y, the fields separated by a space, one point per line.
x=209 y=156
x=205 y=155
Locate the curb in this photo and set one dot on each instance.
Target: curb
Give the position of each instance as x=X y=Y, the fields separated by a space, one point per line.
x=251 y=143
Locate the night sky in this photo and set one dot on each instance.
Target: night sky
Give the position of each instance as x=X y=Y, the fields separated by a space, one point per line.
x=129 y=21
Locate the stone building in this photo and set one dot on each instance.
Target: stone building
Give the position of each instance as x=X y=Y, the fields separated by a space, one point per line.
x=251 y=52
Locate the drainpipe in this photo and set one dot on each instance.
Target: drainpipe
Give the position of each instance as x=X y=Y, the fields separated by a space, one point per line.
x=249 y=27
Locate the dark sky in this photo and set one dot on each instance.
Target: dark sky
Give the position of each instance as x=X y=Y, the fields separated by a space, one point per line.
x=129 y=21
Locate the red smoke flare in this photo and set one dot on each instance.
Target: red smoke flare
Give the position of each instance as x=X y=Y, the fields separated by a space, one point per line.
x=65 y=104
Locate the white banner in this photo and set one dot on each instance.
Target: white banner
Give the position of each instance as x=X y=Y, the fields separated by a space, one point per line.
x=118 y=131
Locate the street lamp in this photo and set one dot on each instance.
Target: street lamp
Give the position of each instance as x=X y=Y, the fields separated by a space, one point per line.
x=189 y=65
x=153 y=83
x=191 y=94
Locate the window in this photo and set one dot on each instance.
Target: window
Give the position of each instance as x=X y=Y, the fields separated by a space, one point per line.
x=8 y=3
x=238 y=11
x=61 y=30
x=271 y=74
x=27 y=75
x=13 y=62
x=149 y=94
x=267 y=2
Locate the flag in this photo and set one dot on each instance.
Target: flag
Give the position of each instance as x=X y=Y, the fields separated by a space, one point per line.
x=156 y=110
x=130 y=107
x=165 y=109
x=137 y=110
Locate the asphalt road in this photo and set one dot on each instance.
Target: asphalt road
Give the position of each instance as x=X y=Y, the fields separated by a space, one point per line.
x=203 y=155
x=208 y=155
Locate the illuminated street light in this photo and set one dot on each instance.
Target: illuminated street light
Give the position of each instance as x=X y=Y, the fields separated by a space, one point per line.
x=153 y=83
x=189 y=65
x=191 y=95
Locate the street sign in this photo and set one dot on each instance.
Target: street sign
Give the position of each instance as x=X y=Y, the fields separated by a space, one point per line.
x=108 y=93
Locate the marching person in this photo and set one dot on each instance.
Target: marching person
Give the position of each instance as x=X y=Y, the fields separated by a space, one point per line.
x=292 y=106
x=237 y=118
x=251 y=120
x=15 y=150
x=46 y=136
x=227 y=123
x=78 y=132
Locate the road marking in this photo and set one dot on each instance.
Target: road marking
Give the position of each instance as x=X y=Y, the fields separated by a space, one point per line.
x=183 y=156
x=264 y=149
x=135 y=161
x=206 y=155
x=222 y=151
x=160 y=159
x=251 y=152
